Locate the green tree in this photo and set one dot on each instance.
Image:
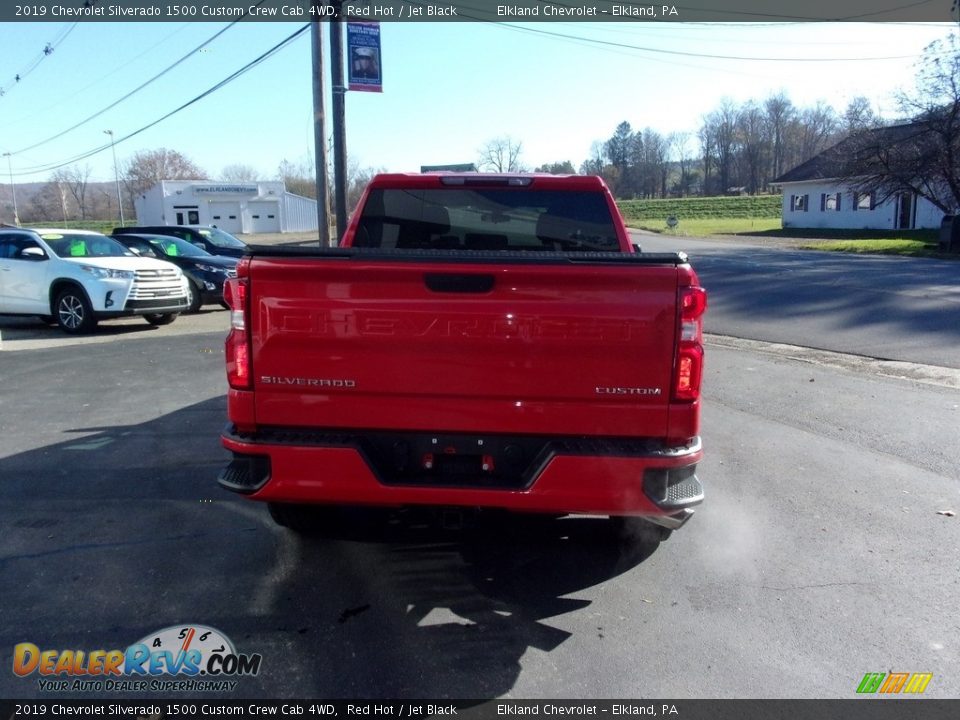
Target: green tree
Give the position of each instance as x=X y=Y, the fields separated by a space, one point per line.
x=557 y=168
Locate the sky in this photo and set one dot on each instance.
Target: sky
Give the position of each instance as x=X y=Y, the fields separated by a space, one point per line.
x=448 y=87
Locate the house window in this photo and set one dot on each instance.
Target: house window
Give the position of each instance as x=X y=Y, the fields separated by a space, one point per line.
x=864 y=201
x=799 y=203
x=829 y=201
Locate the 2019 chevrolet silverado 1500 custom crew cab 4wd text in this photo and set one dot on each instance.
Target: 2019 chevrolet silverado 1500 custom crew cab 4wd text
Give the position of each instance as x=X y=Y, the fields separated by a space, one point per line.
x=77 y=277
x=477 y=341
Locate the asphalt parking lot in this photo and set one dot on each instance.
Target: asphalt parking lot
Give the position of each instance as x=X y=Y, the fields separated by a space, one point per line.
x=827 y=546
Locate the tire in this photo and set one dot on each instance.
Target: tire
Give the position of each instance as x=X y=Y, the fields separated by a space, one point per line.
x=638 y=539
x=640 y=530
x=332 y=522
x=160 y=318
x=73 y=312
x=301 y=519
x=194 y=300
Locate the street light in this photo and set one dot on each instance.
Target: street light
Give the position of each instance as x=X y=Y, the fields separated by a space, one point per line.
x=16 y=216
x=116 y=174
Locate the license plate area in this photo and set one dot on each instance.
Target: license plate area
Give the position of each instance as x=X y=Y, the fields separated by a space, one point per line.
x=455 y=460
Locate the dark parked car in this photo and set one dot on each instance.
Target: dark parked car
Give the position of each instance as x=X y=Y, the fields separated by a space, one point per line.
x=205 y=272
x=212 y=239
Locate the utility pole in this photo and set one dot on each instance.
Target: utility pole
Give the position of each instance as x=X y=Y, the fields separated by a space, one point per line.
x=319 y=130
x=116 y=174
x=16 y=215
x=339 y=120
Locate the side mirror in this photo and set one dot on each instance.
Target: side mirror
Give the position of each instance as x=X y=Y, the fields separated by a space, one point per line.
x=33 y=253
x=636 y=248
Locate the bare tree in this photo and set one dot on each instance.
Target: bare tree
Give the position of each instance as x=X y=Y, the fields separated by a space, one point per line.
x=75 y=179
x=501 y=155
x=817 y=129
x=859 y=115
x=708 y=144
x=239 y=173
x=754 y=147
x=47 y=203
x=724 y=121
x=101 y=202
x=357 y=180
x=593 y=165
x=298 y=178
x=678 y=148
x=923 y=156
x=148 y=167
x=780 y=112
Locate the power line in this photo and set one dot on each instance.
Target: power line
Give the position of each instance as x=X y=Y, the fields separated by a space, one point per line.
x=126 y=64
x=134 y=91
x=45 y=53
x=230 y=78
x=710 y=56
x=682 y=53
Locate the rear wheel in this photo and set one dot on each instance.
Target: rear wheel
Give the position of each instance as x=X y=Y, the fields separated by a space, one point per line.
x=160 y=318
x=329 y=521
x=640 y=530
x=73 y=312
x=302 y=519
x=638 y=538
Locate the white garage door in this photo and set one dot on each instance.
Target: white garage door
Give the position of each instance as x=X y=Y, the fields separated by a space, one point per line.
x=264 y=217
x=226 y=216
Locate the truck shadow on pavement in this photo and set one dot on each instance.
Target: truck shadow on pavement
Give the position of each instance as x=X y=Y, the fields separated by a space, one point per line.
x=123 y=532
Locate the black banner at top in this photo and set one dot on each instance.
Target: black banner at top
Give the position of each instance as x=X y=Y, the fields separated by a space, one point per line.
x=363 y=709
x=478 y=11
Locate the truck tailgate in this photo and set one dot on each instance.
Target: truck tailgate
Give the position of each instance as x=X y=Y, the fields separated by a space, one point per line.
x=552 y=348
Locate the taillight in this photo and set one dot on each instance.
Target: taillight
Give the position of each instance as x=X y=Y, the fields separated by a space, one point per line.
x=237 y=348
x=689 y=368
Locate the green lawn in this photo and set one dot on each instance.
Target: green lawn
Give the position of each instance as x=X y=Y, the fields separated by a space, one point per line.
x=710 y=226
x=883 y=246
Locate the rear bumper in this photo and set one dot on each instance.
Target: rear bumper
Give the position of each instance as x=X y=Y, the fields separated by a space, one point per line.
x=576 y=476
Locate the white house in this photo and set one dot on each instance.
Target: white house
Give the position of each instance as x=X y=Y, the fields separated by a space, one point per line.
x=245 y=207
x=816 y=196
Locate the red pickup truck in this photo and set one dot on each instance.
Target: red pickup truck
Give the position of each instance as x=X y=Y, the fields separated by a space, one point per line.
x=476 y=342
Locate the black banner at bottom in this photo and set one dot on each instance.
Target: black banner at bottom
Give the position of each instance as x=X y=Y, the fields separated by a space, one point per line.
x=854 y=709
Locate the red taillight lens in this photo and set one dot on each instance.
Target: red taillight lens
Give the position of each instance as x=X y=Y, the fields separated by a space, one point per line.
x=237 y=347
x=689 y=368
x=693 y=303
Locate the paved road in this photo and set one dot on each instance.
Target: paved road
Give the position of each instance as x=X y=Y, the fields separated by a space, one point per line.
x=819 y=555
x=892 y=308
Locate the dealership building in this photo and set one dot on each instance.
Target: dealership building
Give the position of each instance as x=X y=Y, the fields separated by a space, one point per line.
x=246 y=207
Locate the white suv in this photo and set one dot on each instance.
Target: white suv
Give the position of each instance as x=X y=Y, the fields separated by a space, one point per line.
x=77 y=277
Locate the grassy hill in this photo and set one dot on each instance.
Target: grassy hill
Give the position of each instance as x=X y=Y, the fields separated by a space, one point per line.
x=699 y=208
